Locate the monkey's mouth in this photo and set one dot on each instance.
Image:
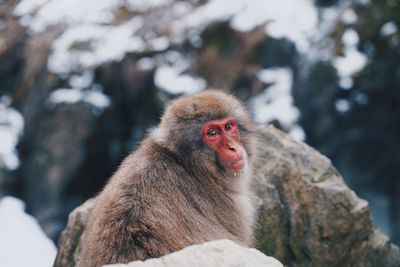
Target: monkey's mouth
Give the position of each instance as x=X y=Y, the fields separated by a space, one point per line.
x=237 y=164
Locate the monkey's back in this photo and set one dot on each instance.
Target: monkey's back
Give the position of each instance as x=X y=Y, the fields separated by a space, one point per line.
x=153 y=206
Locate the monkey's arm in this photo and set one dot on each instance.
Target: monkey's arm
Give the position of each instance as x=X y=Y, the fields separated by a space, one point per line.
x=132 y=221
x=121 y=235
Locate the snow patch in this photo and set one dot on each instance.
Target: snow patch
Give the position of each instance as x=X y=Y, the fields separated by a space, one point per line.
x=81 y=81
x=349 y=17
x=346 y=83
x=82 y=90
x=288 y=22
x=172 y=74
x=342 y=105
x=11 y=127
x=276 y=102
x=350 y=38
x=159 y=44
x=27 y=6
x=388 y=28
x=74 y=95
x=98 y=43
x=297 y=133
x=353 y=60
x=22 y=241
x=71 y=12
x=171 y=80
x=143 y=5
x=282 y=17
x=146 y=63
x=90 y=39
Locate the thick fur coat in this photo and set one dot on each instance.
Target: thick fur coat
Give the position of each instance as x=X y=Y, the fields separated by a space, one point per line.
x=172 y=191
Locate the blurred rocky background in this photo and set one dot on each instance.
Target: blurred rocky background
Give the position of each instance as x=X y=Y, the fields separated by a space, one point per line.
x=82 y=81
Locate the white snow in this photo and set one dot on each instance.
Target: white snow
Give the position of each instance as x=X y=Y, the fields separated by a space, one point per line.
x=282 y=17
x=90 y=39
x=146 y=63
x=82 y=90
x=71 y=12
x=28 y=6
x=73 y=95
x=11 y=127
x=350 y=38
x=276 y=102
x=346 y=82
x=22 y=242
x=353 y=60
x=388 y=28
x=81 y=81
x=106 y=43
x=297 y=133
x=172 y=74
x=214 y=10
x=296 y=20
x=158 y=44
x=143 y=5
x=342 y=105
x=349 y=16
x=171 y=79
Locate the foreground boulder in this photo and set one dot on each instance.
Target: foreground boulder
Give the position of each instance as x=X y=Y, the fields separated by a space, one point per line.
x=307 y=215
x=220 y=253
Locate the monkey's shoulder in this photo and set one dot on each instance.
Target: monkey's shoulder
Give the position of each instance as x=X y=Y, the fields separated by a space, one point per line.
x=152 y=156
x=150 y=168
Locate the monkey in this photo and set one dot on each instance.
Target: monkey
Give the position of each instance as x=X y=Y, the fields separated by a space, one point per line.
x=188 y=182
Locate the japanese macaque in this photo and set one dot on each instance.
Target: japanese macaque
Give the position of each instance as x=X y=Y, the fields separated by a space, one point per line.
x=187 y=183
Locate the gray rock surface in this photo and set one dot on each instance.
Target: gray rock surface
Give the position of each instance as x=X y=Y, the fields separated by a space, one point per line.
x=219 y=253
x=69 y=243
x=307 y=215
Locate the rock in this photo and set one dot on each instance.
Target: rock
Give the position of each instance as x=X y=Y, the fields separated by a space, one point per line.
x=307 y=215
x=69 y=242
x=224 y=253
x=352 y=121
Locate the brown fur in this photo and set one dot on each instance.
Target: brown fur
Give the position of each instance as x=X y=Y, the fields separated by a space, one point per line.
x=172 y=192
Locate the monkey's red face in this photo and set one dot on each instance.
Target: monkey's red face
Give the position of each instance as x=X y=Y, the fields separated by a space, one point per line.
x=223 y=137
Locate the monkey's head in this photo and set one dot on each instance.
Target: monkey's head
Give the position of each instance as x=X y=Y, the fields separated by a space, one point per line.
x=209 y=131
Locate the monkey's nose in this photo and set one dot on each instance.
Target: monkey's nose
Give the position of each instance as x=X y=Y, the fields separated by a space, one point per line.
x=231 y=147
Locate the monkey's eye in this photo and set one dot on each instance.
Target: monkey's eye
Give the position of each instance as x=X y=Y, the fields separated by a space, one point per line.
x=212 y=132
x=228 y=126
